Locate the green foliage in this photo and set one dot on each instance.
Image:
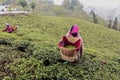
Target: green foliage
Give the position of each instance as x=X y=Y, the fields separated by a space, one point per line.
x=115 y=25
x=76 y=5
x=22 y=3
x=72 y=5
x=95 y=20
x=66 y=4
x=70 y=47
x=4 y=2
x=58 y=10
x=33 y=5
x=49 y=2
x=31 y=52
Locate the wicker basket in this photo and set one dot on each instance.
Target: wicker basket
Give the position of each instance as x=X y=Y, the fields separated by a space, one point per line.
x=69 y=54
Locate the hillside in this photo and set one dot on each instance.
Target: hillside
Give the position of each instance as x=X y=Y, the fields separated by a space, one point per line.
x=23 y=54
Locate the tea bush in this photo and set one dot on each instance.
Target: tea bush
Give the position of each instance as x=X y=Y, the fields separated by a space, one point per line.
x=32 y=54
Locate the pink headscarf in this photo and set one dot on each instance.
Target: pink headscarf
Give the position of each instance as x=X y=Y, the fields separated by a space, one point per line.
x=74 y=29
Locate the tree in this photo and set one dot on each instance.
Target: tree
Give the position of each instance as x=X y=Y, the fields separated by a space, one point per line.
x=72 y=4
x=112 y=14
x=4 y=2
x=95 y=20
x=110 y=23
x=66 y=4
x=58 y=10
x=110 y=18
x=32 y=4
x=50 y=2
x=76 y=5
x=115 y=24
x=22 y=3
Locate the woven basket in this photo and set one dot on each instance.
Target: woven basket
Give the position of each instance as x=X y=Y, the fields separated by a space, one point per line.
x=69 y=54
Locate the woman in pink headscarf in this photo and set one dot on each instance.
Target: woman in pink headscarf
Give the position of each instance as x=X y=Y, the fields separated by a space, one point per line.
x=74 y=31
x=8 y=28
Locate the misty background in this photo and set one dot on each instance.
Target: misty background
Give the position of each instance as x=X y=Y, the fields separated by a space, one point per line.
x=104 y=12
x=102 y=7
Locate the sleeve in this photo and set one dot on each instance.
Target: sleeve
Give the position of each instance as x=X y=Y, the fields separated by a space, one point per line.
x=82 y=49
x=5 y=29
x=61 y=43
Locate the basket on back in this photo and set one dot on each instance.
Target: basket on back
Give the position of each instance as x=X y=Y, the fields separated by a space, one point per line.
x=69 y=54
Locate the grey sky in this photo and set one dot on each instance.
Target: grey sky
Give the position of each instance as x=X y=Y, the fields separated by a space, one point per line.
x=98 y=3
x=103 y=7
x=101 y=3
x=58 y=1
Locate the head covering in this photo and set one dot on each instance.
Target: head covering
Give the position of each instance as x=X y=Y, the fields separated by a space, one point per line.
x=74 y=29
x=6 y=23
